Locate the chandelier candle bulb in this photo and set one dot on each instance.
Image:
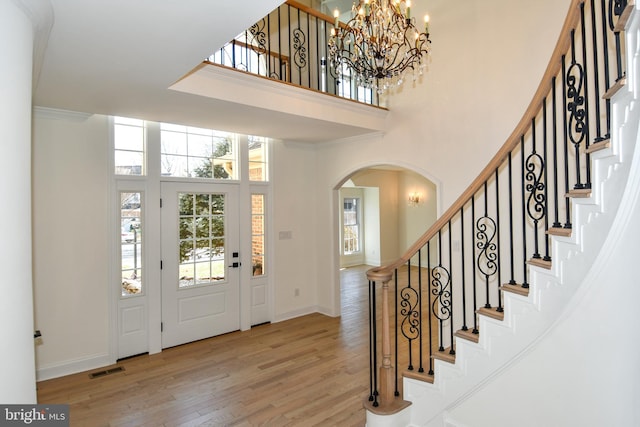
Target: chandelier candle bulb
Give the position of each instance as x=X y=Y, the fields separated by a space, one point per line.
x=426 y=24
x=408 y=9
x=336 y=14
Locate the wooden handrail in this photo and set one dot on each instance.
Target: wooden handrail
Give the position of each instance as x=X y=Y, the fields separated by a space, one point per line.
x=315 y=13
x=384 y=273
x=310 y=11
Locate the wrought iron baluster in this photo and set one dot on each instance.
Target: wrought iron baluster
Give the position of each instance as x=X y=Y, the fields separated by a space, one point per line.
x=300 y=49
x=421 y=319
x=587 y=162
x=409 y=302
x=545 y=212
x=535 y=205
x=565 y=135
x=498 y=259
x=616 y=7
x=464 y=288
x=442 y=292
x=525 y=284
x=554 y=114
x=452 y=351
x=512 y=280
x=605 y=49
x=373 y=345
x=486 y=232
x=473 y=261
x=429 y=308
x=395 y=329
x=596 y=79
x=577 y=129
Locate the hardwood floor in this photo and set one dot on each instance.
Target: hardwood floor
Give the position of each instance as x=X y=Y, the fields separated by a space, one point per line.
x=309 y=371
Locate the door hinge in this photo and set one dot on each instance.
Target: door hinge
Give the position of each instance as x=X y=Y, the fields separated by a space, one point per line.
x=161 y=202
x=161 y=326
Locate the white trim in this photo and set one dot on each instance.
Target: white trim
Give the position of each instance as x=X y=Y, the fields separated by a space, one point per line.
x=58 y=114
x=74 y=366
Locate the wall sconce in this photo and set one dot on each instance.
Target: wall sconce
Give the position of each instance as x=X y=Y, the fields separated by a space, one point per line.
x=414 y=199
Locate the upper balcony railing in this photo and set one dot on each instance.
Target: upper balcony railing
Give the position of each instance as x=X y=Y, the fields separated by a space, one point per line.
x=290 y=44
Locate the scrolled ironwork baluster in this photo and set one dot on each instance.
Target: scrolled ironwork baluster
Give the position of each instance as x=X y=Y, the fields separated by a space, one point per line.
x=409 y=305
x=441 y=290
x=486 y=230
x=577 y=128
x=535 y=187
x=300 y=48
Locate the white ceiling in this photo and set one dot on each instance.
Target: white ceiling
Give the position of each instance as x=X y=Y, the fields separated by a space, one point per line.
x=119 y=57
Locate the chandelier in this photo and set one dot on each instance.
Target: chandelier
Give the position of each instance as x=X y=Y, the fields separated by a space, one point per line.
x=379 y=44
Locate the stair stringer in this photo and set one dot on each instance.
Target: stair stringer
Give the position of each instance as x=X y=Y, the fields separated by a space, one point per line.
x=528 y=319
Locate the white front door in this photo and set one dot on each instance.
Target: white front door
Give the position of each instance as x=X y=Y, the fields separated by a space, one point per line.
x=200 y=261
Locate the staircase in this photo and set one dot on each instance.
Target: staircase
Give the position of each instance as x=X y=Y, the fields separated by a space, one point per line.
x=511 y=309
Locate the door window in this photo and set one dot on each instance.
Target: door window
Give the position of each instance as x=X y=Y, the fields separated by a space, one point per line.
x=201 y=238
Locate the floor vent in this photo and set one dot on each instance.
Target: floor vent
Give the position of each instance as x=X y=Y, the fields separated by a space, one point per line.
x=106 y=372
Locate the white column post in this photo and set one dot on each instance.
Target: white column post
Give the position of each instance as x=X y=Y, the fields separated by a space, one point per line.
x=17 y=355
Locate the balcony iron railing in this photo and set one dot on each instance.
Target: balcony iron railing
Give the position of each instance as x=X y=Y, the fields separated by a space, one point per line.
x=290 y=44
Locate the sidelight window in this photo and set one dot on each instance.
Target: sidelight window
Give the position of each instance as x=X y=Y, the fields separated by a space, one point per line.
x=131 y=233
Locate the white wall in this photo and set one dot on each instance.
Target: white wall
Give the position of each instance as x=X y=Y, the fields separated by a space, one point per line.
x=372 y=228
x=16 y=305
x=295 y=211
x=387 y=183
x=70 y=243
x=415 y=220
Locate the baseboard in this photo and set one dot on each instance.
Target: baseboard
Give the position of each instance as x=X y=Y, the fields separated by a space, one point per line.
x=293 y=314
x=73 y=367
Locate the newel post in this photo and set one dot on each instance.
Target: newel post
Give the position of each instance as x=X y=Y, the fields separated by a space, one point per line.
x=387 y=383
x=384 y=387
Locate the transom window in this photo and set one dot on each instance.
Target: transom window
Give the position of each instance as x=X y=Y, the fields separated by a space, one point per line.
x=257 y=158
x=190 y=152
x=129 y=145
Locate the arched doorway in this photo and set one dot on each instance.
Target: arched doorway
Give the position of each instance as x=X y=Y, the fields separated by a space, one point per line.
x=382 y=211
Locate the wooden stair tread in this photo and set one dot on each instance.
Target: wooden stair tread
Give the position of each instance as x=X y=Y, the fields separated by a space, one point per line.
x=624 y=17
x=579 y=193
x=599 y=145
x=394 y=407
x=619 y=84
x=539 y=262
x=516 y=289
x=491 y=312
x=445 y=355
x=560 y=231
x=468 y=335
x=420 y=376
